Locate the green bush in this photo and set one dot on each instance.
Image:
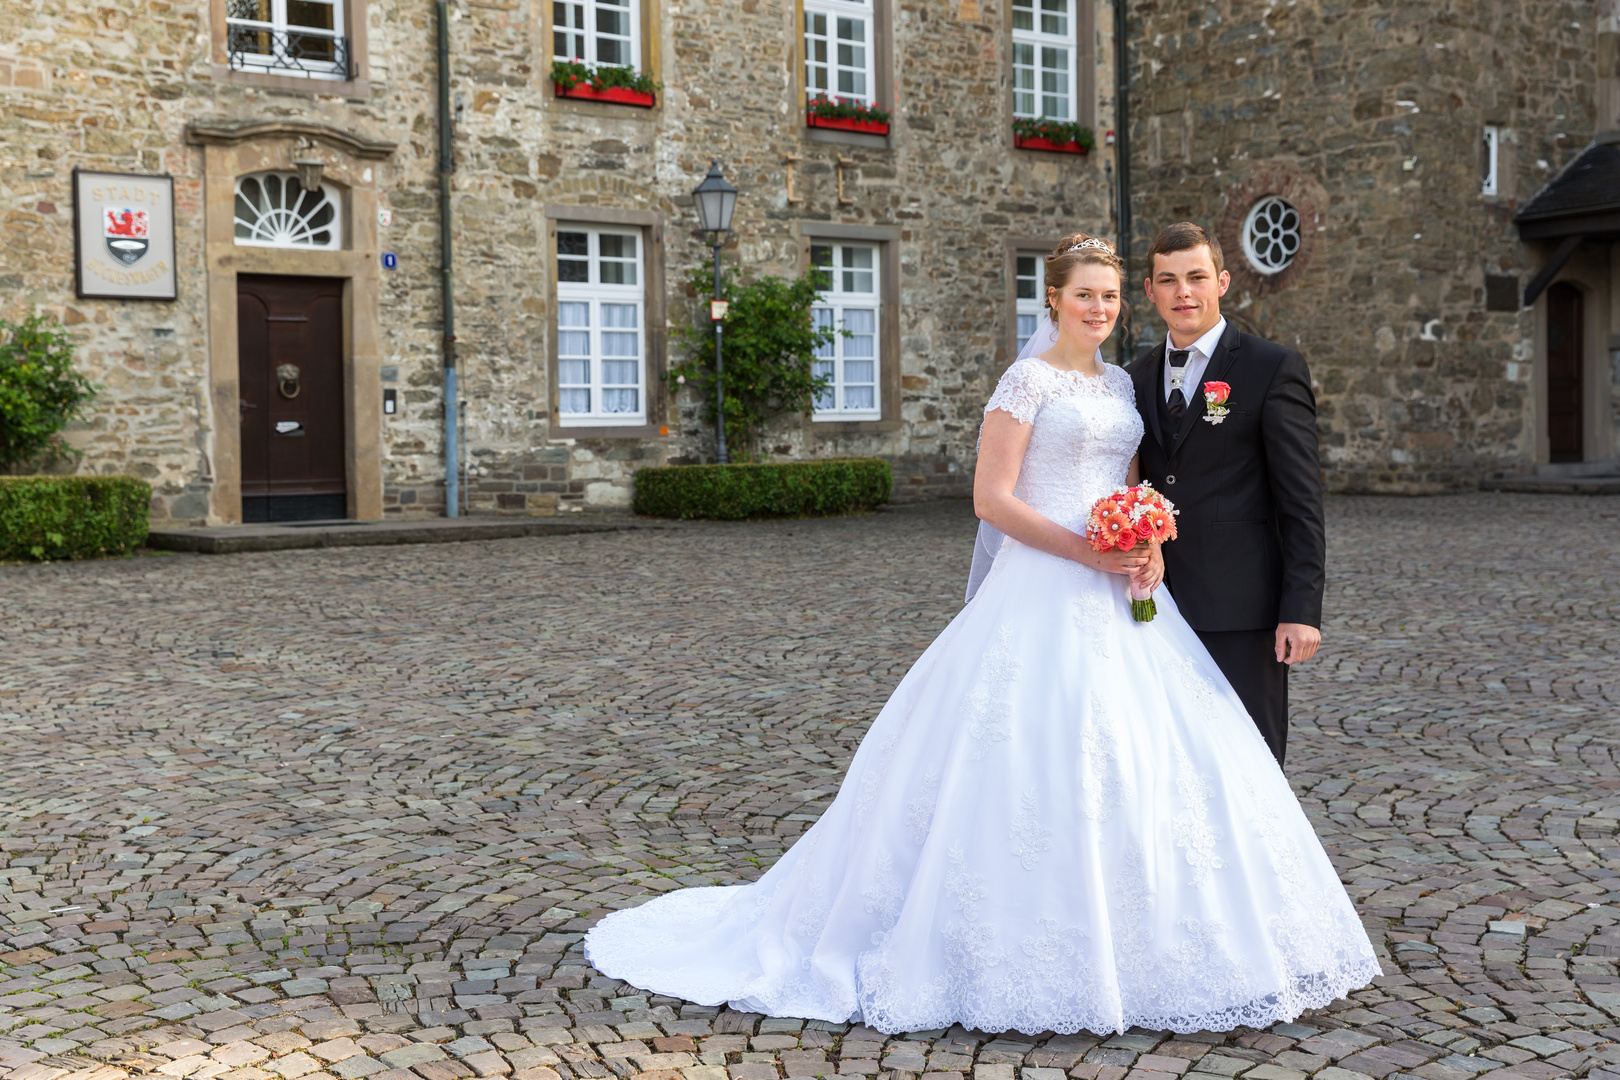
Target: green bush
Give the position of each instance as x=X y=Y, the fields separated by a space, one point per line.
x=72 y=517
x=789 y=489
x=39 y=390
x=771 y=341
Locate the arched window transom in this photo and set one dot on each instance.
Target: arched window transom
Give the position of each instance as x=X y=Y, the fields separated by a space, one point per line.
x=274 y=210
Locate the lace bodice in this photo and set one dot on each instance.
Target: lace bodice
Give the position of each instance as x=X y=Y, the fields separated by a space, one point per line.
x=1086 y=432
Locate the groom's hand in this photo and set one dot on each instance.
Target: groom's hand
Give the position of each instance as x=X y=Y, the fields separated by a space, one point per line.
x=1296 y=642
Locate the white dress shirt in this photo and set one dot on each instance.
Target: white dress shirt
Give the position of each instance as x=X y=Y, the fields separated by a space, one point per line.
x=1198 y=357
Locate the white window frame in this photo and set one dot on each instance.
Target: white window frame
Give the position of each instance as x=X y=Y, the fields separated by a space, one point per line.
x=583 y=30
x=1491 y=165
x=595 y=294
x=843 y=295
x=283 y=226
x=1030 y=95
x=274 y=63
x=1027 y=307
x=830 y=64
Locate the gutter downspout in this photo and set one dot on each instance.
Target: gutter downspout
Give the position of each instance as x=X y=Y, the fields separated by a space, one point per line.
x=1122 y=163
x=447 y=165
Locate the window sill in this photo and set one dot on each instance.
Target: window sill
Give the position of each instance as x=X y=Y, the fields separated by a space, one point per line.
x=848 y=138
x=350 y=89
x=606 y=431
x=852 y=427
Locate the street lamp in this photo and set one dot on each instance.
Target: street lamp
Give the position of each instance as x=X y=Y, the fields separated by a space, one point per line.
x=716 y=200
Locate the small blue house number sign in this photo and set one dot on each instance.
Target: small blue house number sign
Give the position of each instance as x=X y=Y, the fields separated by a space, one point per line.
x=390 y=261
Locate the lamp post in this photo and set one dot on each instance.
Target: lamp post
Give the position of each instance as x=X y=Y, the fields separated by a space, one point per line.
x=716 y=200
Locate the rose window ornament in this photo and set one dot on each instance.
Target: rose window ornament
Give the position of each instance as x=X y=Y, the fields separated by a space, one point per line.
x=1271 y=235
x=274 y=210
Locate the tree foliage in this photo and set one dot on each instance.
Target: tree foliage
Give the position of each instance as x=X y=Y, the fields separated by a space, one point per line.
x=40 y=392
x=769 y=345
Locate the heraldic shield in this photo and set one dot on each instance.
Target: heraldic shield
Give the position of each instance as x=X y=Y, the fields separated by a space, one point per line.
x=125 y=231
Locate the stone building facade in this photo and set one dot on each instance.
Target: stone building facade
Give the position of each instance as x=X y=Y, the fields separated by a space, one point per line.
x=1407 y=138
x=1369 y=126
x=932 y=213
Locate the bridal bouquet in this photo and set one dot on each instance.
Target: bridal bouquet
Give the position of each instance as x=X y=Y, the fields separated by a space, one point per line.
x=1131 y=516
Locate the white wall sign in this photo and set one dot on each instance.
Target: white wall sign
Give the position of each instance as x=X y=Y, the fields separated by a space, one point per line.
x=123 y=228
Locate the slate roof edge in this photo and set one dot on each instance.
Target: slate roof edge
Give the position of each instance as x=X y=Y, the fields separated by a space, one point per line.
x=1529 y=213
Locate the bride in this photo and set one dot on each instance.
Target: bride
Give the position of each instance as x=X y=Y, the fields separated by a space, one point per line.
x=1062 y=819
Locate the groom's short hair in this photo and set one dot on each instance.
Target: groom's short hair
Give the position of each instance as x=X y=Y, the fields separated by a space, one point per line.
x=1184 y=236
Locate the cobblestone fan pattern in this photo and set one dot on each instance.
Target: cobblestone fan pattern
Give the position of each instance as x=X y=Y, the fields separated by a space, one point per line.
x=337 y=814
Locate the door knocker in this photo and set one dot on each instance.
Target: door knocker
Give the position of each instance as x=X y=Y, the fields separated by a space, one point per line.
x=287 y=380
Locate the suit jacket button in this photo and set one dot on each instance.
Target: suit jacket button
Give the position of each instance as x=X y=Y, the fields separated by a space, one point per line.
x=1170 y=479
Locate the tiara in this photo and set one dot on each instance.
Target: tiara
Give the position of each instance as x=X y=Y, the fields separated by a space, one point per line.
x=1091 y=242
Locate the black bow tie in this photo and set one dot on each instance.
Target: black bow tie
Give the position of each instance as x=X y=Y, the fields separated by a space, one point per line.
x=1178 y=401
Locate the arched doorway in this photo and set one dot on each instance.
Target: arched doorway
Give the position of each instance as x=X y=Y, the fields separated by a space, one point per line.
x=1566 y=332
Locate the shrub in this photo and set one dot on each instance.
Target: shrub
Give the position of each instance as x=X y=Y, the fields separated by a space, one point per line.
x=72 y=517
x=39 y=390
x=771 y=342
x=788 y=489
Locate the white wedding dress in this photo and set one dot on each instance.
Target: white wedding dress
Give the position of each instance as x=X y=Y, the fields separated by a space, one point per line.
x=1062 y=818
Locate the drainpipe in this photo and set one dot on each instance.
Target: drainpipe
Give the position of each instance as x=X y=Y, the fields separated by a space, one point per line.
x=1122 y=163
x=447 y=164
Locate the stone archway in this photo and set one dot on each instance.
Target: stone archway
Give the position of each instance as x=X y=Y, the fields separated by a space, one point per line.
x=232 y=149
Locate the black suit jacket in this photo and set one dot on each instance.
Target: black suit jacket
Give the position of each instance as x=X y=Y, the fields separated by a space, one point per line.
x=1252 y=547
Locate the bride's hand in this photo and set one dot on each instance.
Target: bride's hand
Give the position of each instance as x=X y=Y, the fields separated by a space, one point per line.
x=1129 y=563
x=1151 y=576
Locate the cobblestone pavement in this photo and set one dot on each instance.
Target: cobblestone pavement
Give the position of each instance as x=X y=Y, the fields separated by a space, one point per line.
x=346 y=813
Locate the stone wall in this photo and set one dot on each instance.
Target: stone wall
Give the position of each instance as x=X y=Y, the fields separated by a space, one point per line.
x=1371 y=117
x=104 y=88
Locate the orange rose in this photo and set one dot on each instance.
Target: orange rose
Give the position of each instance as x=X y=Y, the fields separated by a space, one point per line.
x=1144 y=527
x=1126 y=540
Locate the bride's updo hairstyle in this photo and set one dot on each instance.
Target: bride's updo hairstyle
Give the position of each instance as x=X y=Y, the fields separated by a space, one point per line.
x=1081 y=249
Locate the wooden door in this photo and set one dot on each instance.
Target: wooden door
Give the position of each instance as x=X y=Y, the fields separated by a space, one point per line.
x=290 y=364
x=1565 y=370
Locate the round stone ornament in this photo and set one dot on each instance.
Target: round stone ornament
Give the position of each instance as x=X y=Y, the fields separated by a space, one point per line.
x=1271 y=235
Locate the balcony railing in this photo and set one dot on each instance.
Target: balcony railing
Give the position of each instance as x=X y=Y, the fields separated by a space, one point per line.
x=256 y=48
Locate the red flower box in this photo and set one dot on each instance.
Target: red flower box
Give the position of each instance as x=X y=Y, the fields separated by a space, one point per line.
x=870 y=127
x=619 y=95
x=1035 y=142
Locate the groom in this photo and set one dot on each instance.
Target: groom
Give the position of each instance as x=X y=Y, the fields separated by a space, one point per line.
x=1247 y=568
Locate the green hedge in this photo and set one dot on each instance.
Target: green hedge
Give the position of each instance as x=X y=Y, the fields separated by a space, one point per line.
x=72 y=517
x=736 y=492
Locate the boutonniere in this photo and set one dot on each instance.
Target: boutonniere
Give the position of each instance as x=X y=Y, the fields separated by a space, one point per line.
x=1215 y=395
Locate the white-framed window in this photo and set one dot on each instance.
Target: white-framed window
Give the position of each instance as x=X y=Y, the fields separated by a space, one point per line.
x=1028 y=298
x=838 y=50
x=1489 y=157
x=849 y=303
x=597 y=33
x=601 y=334
x=287 y=37
x=274 y=210
x=1044 y=59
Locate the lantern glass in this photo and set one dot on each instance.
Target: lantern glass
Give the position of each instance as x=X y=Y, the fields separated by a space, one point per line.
x=716 y=201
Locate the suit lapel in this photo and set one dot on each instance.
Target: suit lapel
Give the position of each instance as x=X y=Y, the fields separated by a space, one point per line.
x=1149 y=379
x=1225 y=353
